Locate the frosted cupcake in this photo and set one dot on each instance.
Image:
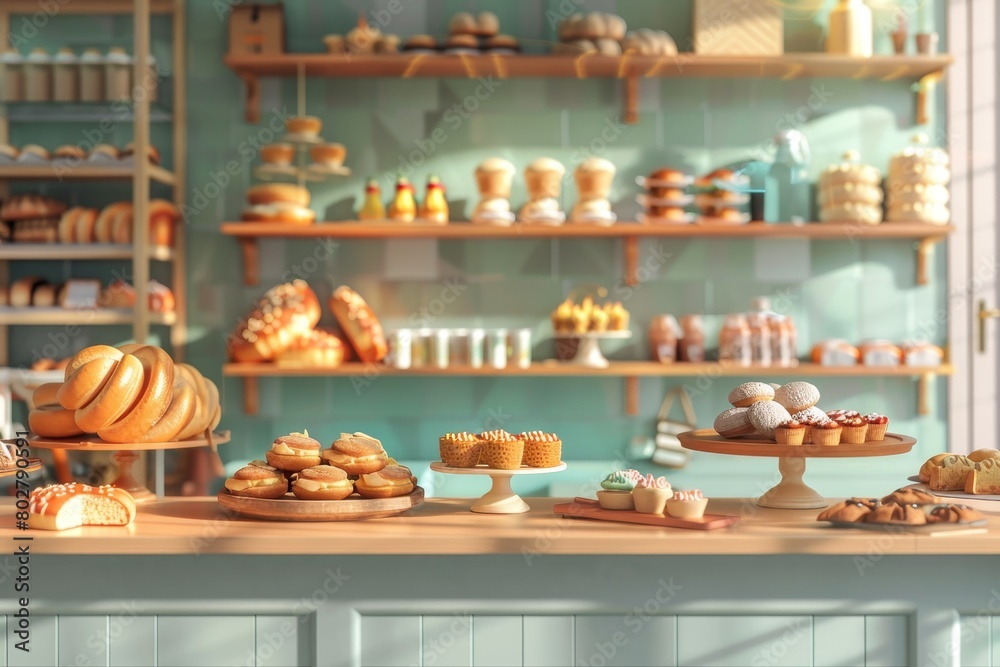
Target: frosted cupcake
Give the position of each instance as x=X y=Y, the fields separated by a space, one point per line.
x=541 y=450
x=791 y=432
x=616 y=490
x=827 y=434
x=460 y=450
x=877 y=426
x=855 y=430
x=687 y=505
x=501 y=450
x=651 y=494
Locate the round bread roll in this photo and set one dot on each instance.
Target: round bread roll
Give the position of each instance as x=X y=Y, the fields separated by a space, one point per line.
x=278 y=193
x=290 y=214
x=389 y=482
x=46 y=394
x=797 y=396
x=487 y=24
x=104 y=227
x=984 y=454
x=765 y=416
x=733 y=423
x=749 y=393
x=44 y=296
x=53 y=421
x=616 y=27
x=462 y=23
x=285 y=313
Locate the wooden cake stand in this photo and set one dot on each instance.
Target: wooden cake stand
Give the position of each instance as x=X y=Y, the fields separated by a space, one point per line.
x=34 y=465
x=500 y=499
x=791 y=492
x=290 y=508
x=126 y=455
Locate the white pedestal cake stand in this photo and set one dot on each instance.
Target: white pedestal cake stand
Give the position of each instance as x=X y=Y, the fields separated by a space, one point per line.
x=501 y=498
x=126 y=455
x=791 y=492
x=589 y=353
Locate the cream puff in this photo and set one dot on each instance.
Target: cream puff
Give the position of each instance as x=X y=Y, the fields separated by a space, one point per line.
x=389 y=482
x=322 y=482
x=356 y=454
x=294 y=452
x=257 y=481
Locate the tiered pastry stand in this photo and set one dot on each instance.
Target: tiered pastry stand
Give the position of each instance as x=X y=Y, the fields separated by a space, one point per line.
x=501 y=498
x=589 y=354
x=126 y=455
x=791 y=492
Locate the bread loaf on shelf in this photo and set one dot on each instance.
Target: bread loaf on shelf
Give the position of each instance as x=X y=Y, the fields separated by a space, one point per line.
x=284 y=314
x=360 y=325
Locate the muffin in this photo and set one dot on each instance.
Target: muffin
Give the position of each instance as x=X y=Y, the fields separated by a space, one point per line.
x=460 y=450
x=877 y=426
x=827 y=434
x=616 y=490
x=501 y=450
x=855 y=430
x=541 y=450
x=810 y=423
x=322 y=482
x=790 y=432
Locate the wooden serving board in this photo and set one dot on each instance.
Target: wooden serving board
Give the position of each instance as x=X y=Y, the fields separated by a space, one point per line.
x=586 y=508
x=33 y=466
x=290 y=508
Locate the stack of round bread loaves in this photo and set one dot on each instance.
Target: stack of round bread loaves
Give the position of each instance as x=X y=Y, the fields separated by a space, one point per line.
x=134 y=393
x=917 y=186
x=850 y=192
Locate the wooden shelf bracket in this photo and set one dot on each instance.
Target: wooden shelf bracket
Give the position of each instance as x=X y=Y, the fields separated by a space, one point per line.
x=631 y=100
x=924 y=393
x=251 y=260
x=632 y=396
x=251 y=93
x=251 y=395
x=631 y=247
x=925 y=248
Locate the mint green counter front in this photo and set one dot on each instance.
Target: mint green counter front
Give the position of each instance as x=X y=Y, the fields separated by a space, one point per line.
x=188 y=584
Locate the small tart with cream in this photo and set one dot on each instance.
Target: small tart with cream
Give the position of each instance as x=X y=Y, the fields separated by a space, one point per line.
x=501 y=450
x=294 y=452
x=257 y=481
x=687 y=504
x=616 y=490
x=356 y=454
x=541 y=450
x=389 y=482
x=322 y=482
x=791 y=432
x=460 y=450
x=651 y=494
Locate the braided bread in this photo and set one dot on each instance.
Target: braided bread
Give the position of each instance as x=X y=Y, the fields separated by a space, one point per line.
x=283 y=315
x=128 y=395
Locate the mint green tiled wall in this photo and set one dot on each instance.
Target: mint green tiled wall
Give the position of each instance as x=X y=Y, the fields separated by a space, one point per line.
x=843 y=289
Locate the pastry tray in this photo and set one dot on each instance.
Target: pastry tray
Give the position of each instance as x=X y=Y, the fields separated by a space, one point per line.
x=925 y=528
x=290 y=508
x=587 y=508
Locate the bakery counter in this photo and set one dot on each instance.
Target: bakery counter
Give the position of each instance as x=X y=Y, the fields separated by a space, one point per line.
x=187 y=584
x=445 y=527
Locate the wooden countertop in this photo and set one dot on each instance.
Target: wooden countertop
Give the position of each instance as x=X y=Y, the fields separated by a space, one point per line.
x=445 y=527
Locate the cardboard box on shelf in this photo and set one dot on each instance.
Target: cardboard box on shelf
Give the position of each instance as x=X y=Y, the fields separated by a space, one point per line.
x=257 y=28
x=748 y=27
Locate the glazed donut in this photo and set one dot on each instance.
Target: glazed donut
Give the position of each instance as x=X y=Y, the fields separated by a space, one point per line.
x=765 y=416
x=733 y=423
x=178 y=415
x=86 y=383
x=285 y=313
x=158 y=369
x=115 y=399
x=750 y=392
x=53 y=421
x=88 y=354
x=797 y=396
x=46 y=394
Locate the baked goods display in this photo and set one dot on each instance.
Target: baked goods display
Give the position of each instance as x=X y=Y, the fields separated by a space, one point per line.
x=649 y=42
x=787 y=414
x=65 y=506
x=593 y=32
x=570 y=318
x=320 y=348
x=278 y=203
x=593 y=179
x=131 y=394
x=363 y=39
x=903 y=507
x=876 y=352
x=494 y=178
x=70 y=156
x=977 y=473
x=38 y=219
x=120 y=294
x=850 y=191
x=665 y=197
x=625 y=490
x=543 y=178
x=354 y=465
x=720 y=195
x=917 y=185
x=501 y=450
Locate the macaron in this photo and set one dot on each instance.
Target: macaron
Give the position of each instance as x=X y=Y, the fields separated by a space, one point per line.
x=749 y=393
x=356 y=454
x=294 y=452
x=256 y=481
x=389 y=482
x=797 y=396
x=322 y=482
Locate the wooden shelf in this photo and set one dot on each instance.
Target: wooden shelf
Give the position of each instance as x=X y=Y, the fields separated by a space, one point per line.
x=89 y=7
x=88 y=172
x=249 y=234
x=631 y=68
x=64 y=316
x=81 y=251
x=76 y=112
x=251 y=374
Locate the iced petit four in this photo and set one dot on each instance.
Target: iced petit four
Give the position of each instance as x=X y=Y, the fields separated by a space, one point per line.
x=687 y=504
x=651 y=494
